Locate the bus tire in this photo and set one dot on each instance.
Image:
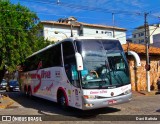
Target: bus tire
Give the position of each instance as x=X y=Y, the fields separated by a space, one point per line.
x=62 y=100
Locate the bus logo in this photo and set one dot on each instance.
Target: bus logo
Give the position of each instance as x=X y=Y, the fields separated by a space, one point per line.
x=57 y=73
x=76 y=92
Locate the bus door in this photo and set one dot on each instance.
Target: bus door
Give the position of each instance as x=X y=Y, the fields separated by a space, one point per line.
x=76 y=90
x=74 y=93
x=73 y=87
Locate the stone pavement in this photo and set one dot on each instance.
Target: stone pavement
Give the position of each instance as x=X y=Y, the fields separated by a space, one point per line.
x=6 y=101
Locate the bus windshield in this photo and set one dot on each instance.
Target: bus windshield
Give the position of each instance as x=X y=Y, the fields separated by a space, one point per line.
x=105 y=65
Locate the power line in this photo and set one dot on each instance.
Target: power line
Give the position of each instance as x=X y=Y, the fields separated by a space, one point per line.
x=127 y=20
x=152 y=10
x=84 y=7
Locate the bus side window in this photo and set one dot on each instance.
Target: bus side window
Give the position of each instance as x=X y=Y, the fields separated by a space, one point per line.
x=74 y=72
x=74 y=76
x=56 y=56
x=70 y=63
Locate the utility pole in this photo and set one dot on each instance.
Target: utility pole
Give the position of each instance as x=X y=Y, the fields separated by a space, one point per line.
x=71 y=30
x=113 y=22
x=147 y=66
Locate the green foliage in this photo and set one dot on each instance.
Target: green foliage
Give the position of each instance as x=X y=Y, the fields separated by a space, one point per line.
x=18 y=34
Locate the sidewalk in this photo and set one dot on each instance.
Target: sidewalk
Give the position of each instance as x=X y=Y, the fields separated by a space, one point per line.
x=5 y=101
x=141 y=93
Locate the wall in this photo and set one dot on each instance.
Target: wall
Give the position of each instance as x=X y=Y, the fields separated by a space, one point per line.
x=121 y=36
x=153 y=31
x=90 y=31
x=139 y=38
x=101 y=32
x=138 y=75
x=49 y=32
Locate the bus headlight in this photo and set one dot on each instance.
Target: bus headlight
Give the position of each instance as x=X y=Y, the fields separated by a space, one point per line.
x=89 y=96
x=127 y=92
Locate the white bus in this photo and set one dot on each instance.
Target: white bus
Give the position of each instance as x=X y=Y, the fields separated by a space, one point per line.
x=85 y=73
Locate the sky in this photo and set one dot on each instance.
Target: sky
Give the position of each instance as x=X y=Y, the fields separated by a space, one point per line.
x=127 y=14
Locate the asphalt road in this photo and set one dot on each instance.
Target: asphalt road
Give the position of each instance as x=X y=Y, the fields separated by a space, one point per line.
x=140 y=107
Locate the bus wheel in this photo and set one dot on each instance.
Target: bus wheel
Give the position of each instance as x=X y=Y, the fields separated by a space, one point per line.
x=62 y=100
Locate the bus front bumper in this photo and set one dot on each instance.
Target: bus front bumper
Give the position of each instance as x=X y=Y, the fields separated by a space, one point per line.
x=104 y=102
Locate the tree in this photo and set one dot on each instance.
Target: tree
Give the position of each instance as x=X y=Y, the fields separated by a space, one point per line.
x=18 y=35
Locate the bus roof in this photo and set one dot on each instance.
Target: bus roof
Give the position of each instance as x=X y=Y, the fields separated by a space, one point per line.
x=69 y=39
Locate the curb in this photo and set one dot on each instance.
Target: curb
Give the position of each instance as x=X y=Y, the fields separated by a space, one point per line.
x=146 y=93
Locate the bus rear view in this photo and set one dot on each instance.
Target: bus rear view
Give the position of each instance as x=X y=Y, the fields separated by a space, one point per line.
x=105 y=77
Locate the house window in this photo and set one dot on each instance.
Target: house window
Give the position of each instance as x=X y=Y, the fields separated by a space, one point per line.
x=134 y=35
x=142 y=34
x=102 y=32
x=97 y=32
x=142 y=41
x=108 y=33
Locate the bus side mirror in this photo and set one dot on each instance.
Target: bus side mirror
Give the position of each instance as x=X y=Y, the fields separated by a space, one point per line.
x=79 y=61
x=136 y=57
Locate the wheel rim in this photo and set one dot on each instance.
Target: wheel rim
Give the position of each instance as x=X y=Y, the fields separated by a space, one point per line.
x=62 y=100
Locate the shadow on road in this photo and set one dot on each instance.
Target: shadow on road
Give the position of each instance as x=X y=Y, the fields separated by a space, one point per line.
x=46 y=107
x=158 y=110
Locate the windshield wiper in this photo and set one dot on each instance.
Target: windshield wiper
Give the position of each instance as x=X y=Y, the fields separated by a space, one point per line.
x=119 y=80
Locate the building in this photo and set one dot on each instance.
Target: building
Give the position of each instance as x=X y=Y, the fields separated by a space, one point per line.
x=138 y=73
x=153 y=32
x=58 y=30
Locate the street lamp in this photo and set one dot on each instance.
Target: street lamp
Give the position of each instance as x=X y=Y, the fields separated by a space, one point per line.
x=58 y=32
x=72 y=21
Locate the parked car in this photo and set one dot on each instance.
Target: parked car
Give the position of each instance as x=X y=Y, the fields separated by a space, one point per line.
x=3 y=84
x=12 y=86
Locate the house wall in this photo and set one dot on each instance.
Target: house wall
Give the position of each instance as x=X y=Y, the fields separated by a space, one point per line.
x=138 y=75
x=153 y=30
x=121 y=36
x=49 y=32
x=138 y=38
x=102 y=32
x=89 y=31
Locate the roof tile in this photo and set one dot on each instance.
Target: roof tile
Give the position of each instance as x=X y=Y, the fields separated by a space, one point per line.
x=141 y=49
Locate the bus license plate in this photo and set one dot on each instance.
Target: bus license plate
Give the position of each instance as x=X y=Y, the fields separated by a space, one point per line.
x=112 y=102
